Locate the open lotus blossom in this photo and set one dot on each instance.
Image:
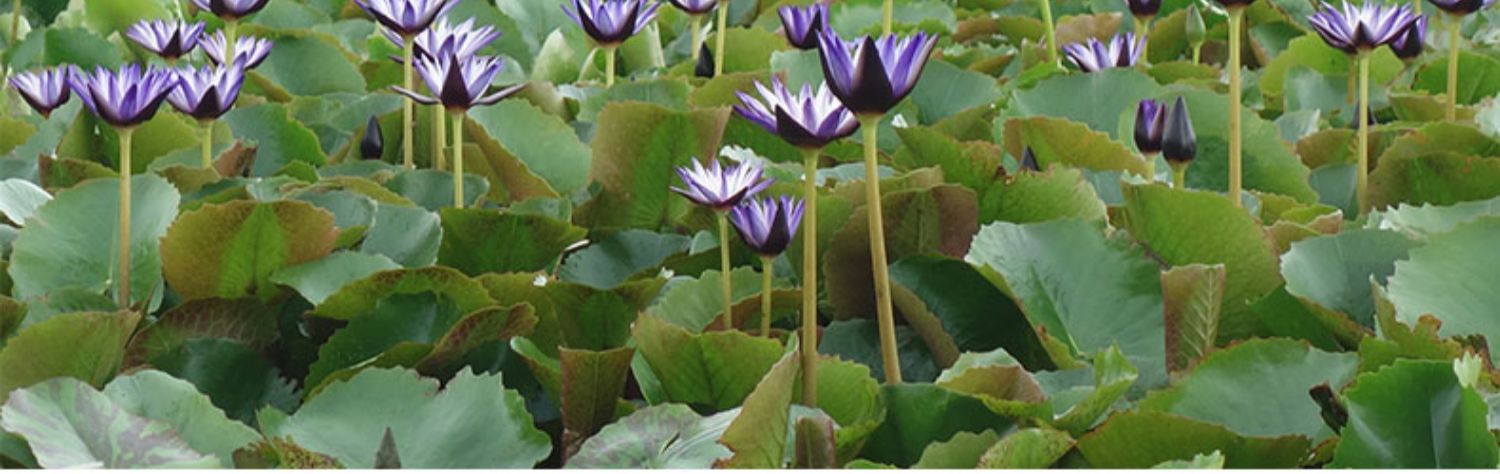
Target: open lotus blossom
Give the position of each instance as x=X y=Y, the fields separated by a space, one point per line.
x=125 y=97
x=805 y=119
x=445 y=38
x=1409 y=44
x=695 y=7
x=720 y=188
x=231 y=9
x=1461 y=7
x=767 y=226
x=801 y=25
x=459 y=84
x=1150 y=118
x=1356 y=29
x=406 y=17
x=611 y=22
x=207 y=92
x=168 y=39
x=1143 y=8
x=1123 y=50
x=249 y=51
x=871 y=76
x=44 y=90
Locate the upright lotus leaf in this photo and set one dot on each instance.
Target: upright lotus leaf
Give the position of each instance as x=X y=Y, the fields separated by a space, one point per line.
x=84 y=346
x=365 y=295
x=1084 y=402
x=951 y=305
x=297 y=50
x=1183 y=227
x=757 y=436
x=655 y=437
x=1118 y=301
x=1258 y=388
x=814 y=446
x=1285 y=315
x=473 y=422
x=157 y=396
x=477 y=241
x=962 y=451
x=509 y=179
x=69 y=424
x=1268 y=163
x=1006 y=389
x=850 y=396
x=1446 y=279
x=1030 y=448
x=974 y=164
x=231 y=250
x=1068 y=143
x=72 y=240
x=244 y=320
x=1335 y=270
x=1477 y=82
x=938 y=220
x=920 y=414
x=425 y=331
x=573 y=315
x=278 y=139
x=610 y=261
x=1192 y=296
x=318 y=279
x=19 y=200
x=433 y=190
x=1057 y=193
x=715 y=370
x=238 y=379
x=1312 y=52
x=1415 y=415
x=1442 y=136
x=407 y=235
x=546 y=144
x=1095 y=99
x=1441 y=178
x=694 y=303
x=1141 y=439
x=592 y=383
x=1418 y=222
x=634 y=151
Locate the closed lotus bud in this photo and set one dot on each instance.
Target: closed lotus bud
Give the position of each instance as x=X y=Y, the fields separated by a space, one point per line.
x=1196 y=31
x=1028 y=161
x=373 y=145
x=705 y=66
x=1150 y=118
x=1178 y=143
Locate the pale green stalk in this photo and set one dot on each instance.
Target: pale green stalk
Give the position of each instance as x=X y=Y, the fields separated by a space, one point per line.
x=810 y=278
x=719 y=36
x=765 y=296
x=123 y=294
x=407 y=104
x=884 y=311
x=458 y=160
x=1362 y=180
x=1051 y=30
x=439 y=134
x=726 y=321
x=208 y=143
x=1454 y=22
x=1236 y=24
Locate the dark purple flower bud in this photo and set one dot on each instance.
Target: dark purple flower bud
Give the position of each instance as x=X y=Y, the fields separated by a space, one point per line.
x=1461 y=7
x=1028 y=160
x=44 y=90
x=705 y=66
x=1361 y=28
x=1143 y=8
x=372 y=146
x=768 y=226
x=803 y=24
x=806 y=119
x=1123 y=50
x=1178 y=143
x=231 y=10
x=447 y=39
x=720 y=188
x=695 y=7
x=125 y=97
x=1235 y=3
x=249 y=51
x=206 y=93
x=1150 y=118
x=405 y=17
x=611 y=22
x=871 y=76
x=459 y=84
x=1409 y=44
x=168 y=39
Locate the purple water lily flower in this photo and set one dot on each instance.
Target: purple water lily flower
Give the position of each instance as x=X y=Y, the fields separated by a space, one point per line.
x=168 y=39
x=806 y=119
x=1143 y=8
x=802 y=24
x=1461 y=7
x=611 y=22
x=1355 y=29
x=1150 y=118
x=1178 y=143
x=720 y=188
x=125 y=97
x=1123 y=50
x=447 y=39
x=459 y=84
x=871 y=76
x=695 y=7
x=249 y=51
x=767 y=226
x=406 y=17
x=44 y=90
x=208 y=92
x=231 y=9
x=1409 y=44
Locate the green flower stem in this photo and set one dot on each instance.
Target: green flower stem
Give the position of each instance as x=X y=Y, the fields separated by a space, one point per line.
x=719 y=35
x=1197 y=53
x=810 y=277
x=1179 y=176
x=1362 y=177
x=1141 y=23
x=1236 y=25
x=439 y=134
x=886 y=316
x=15 y=23
x=1454 y=22
x=230 y=29
x=208 y=143
x=1150 y=166
x=1353 y=82
x=407 y=105
x=124 y=292
x=726 y=321
x=609 y=67
x=765 y=296
x=697 y=26
x=458 y=159
x=887 y=16
x=1051 y=30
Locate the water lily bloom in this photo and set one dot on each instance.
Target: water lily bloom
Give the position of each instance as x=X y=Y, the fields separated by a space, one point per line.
x=720 y=188
x=44 y=90
x=1150 y=118
x=805 y=119
x=801 y=25
x=1409 y=44
x=208 y=92
x=695 y=7
x=1123 y=50
x=372 y=146
x=125 y=97
x=459 y=84
x=406 y=17
x=448 y=39
x=1461 y=7
x=767 y=226
x=231 y=10
x=249 y=51
x=1356 y=29
x=1143 y=8
x=611 y=22
x=871 y=76
x=1179 y=145
x=168 y=39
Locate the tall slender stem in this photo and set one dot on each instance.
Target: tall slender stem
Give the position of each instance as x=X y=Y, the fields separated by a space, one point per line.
x=1353 y=82
x=124 y=291
x=1362 y=178
x=208 y=143
x=439 y=135
x=1051 y=30
x=1454 y=22
x=726 y=321
x=765 y=296
x=15 y=24
x=407 y=105
x=1197 y=53
x=697 y=26
x=1150 y=166
x=609 y=67
x=1141 y=23
x=887 y=16
x=1236 y=24
x=884 y=312
x=1179 y=176
x=231 y=39
x=720 y=33
x=810 y=278
x=458 y=159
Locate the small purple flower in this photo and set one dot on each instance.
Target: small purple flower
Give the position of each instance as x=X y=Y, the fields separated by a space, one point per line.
x=1123 y=50
x=125 y=97
x=447 y=39
x=695 y=7
x=802 y=24
x=1461 y=7
x=806 y=119
x=208 y=92
x=871 y=76
x=231 y=10
x=45 y=90
x=1409 y=44
x=168 y=39
x=1150 y=118
x=1178 y=143
x=459 y=84
x=767 y=226
x=611 y=22
x=1143 y=8
x=249 y=51
x=720 y=188
x=1355 y=29
x=406 y=17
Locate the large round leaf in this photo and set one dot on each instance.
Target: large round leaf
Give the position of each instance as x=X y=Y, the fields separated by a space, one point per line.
x=1450 y=278
x=1415 y=415
x=230 y=250
x=1335 y=270
x=72 y=425
x=84 y=346
x=155 y=395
